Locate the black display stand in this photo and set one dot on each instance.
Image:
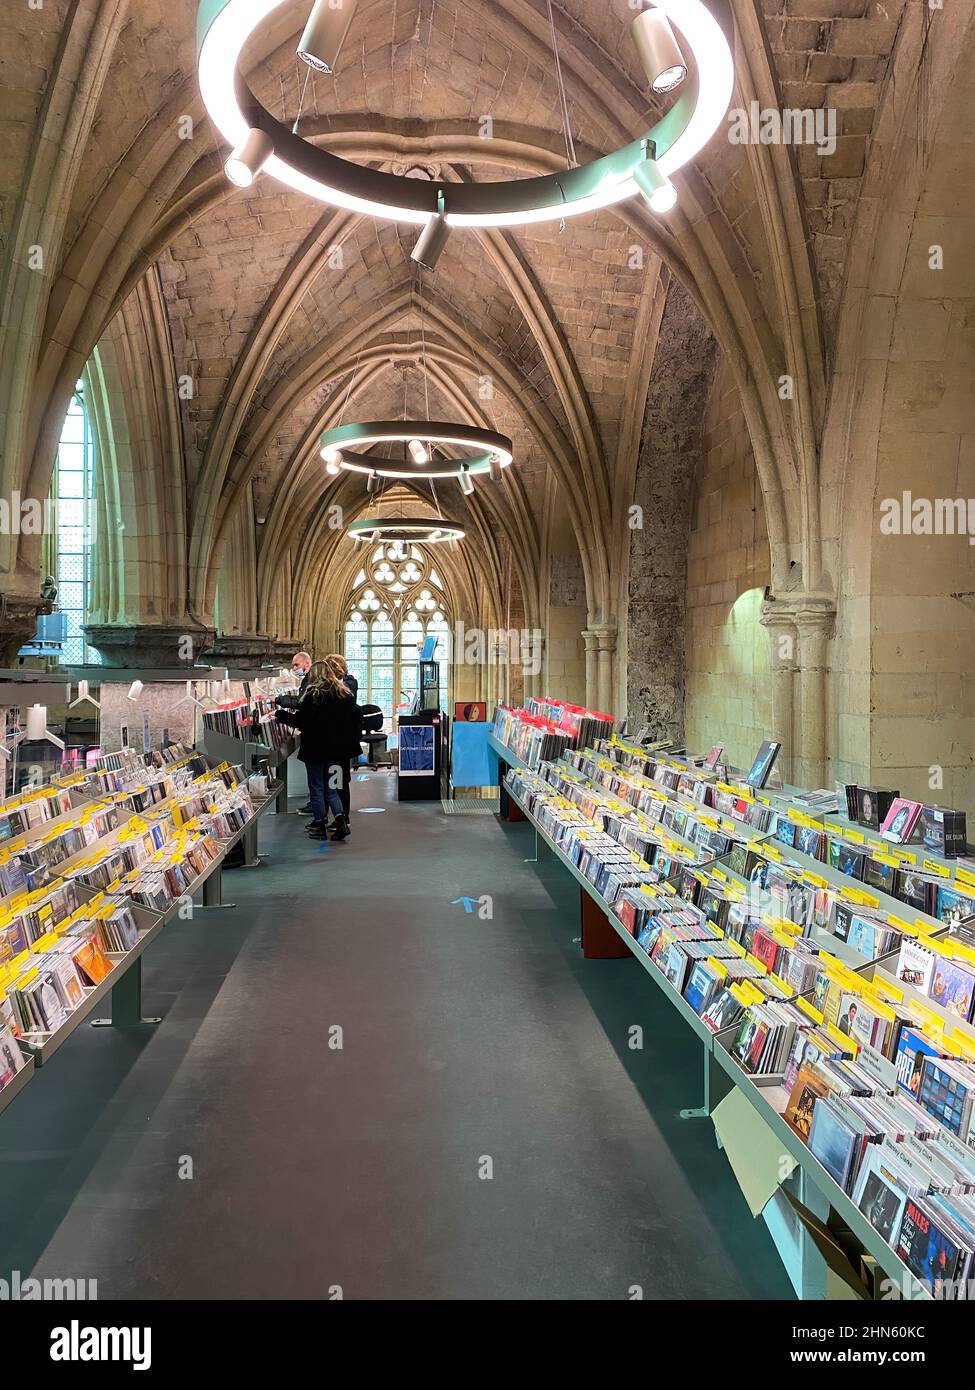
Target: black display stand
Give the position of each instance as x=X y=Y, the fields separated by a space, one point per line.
x=427 y=786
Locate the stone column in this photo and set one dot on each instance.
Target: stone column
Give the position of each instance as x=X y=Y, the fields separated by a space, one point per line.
x=783 y=640
x=606 y=651
x=814 y=624
x=591 y=638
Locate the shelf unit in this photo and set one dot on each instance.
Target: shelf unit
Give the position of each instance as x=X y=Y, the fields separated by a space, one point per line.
x=717 y=1047
x=123 y=984
x=755 y=1090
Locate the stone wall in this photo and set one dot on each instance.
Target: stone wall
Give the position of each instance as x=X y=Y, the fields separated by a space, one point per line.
x=728 y=695
x=670 y=449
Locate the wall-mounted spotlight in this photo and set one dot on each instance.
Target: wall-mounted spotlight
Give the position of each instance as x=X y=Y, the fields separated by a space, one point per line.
x=495 y=469
x=36 y=730
x=658 y=50
x=244 y=163
x=431 y=242
x=466 y=482
x=191 y=697
x=83 y=694
x=325 y=33
x=134 y=691
x=372 y=483
x=418 y=451
x=657 y=189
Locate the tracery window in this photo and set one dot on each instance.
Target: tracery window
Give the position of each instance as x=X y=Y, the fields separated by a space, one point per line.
x=397 y=600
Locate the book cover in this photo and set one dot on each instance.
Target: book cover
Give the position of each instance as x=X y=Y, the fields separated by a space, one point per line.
x=92 y=960
x=915 y=965
x=809 y=1087
x=929 y=1253
x=912 y=1048
x=879 y=1195
x=952 y=986
x=832 y=1142
x=900 y=821
x=954 y=906
x=701 y=986
x=723 y=1011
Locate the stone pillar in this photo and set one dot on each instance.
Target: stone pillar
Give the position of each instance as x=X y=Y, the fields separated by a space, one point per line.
x=814 y=624
x=783 y=640
x=591 y=638
x=606 y=652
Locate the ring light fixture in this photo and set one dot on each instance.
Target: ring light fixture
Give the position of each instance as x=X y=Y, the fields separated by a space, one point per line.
x=489 y=452
x=224 y=27
x=413 y=530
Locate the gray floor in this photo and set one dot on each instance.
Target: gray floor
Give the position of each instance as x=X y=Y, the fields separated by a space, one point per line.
x=465 y=1044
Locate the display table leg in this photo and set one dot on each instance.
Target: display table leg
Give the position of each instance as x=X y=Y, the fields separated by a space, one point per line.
x=701 y=1112
x=213 y=890
x=126 y=1001
x=599 y=939
x=252 y=859
x=281 y=805
x=543 y=850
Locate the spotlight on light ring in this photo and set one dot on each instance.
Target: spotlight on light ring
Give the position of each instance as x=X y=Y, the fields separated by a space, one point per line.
x=348 y=445
x=695 y=115
x=412 y=530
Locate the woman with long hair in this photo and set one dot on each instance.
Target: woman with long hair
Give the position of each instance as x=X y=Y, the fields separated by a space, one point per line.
x=340 y=663
x=328 y=719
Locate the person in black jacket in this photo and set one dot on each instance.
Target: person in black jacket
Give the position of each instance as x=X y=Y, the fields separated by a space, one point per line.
x=350 y=682
x=329 y=721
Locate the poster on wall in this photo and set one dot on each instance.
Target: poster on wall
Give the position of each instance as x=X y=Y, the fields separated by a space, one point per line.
x=470 y=711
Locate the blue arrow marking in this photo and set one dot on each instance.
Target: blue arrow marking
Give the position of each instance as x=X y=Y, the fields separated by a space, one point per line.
x=468 y=903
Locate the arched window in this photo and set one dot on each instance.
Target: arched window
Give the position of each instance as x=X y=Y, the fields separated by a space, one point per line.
x=72 y=488
x=397 y=599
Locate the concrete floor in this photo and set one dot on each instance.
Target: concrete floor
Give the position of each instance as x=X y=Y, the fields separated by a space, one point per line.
x=465 y=1043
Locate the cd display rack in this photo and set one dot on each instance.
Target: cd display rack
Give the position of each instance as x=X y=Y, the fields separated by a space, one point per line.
x=122 y=984
x=786 y=822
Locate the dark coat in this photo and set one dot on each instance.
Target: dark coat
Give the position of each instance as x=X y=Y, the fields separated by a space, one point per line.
x=329 y=725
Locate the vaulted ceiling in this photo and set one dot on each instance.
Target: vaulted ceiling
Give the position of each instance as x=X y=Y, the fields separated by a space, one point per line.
x=286 y=316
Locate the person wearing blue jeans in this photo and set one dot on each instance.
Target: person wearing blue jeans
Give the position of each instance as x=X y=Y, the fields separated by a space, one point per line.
x=329 y=721
x=325 y=791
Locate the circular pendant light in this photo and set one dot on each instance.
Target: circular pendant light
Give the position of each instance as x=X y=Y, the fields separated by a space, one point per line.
x=410 y=530
x=489 y=452
x=224 y=27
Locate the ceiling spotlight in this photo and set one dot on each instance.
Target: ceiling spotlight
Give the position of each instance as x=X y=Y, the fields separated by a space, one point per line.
x=325 y=33
x=334 y=465
x=431 y=242
x=494 y=467
x=658 y=50
x=656 y=187
x=244 y=163
x=372 y=483
x=466 y=483
x=418 y=451
x=135 y=690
